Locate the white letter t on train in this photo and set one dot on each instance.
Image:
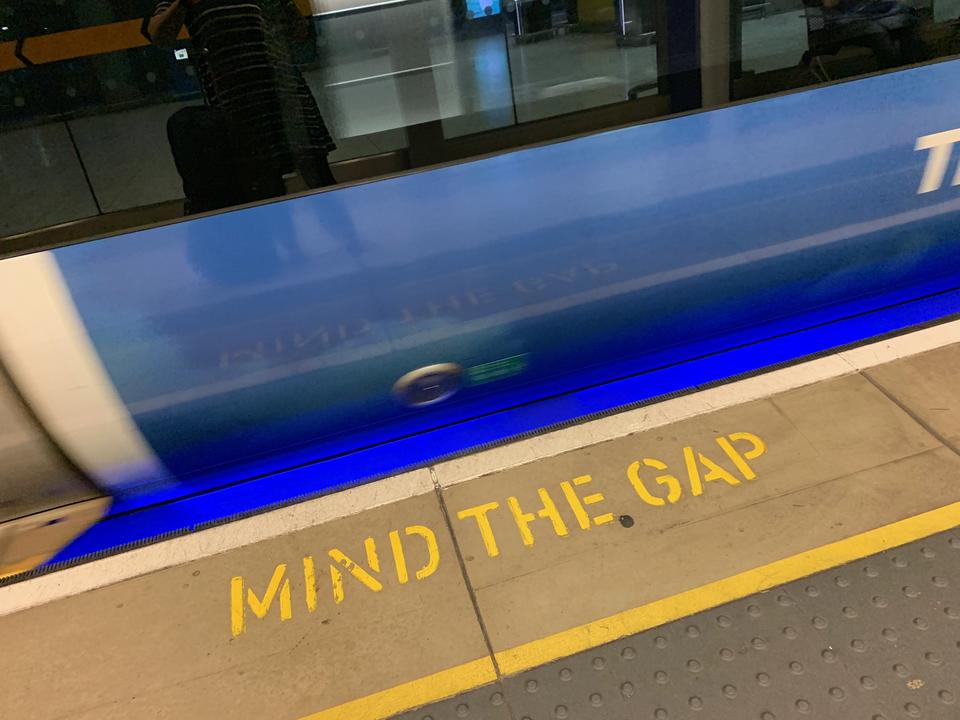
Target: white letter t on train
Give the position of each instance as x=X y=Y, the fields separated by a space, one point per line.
x=940 y=146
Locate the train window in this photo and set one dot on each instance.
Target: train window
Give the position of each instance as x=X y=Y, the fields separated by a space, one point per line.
x=596 y=53
x=787 y=44
x=122 y=113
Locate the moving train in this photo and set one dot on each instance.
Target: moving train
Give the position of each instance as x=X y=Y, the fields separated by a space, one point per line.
x=172 y=360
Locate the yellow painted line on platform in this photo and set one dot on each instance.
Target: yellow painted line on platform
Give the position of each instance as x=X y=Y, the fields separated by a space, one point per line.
x=472 y=675
x=415 y=693
x=660 y=612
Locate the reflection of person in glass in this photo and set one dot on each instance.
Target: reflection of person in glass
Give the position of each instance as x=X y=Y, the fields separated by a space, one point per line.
x=887 y=27
x=243 y=52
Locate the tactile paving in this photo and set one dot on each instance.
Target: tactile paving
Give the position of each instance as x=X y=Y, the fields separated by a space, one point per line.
x=878 y=639
x=486 y=703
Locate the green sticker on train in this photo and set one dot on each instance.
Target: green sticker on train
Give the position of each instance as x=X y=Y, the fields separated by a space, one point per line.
x=497 y=369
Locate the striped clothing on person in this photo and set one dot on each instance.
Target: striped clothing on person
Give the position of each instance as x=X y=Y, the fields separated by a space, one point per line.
x=242 y=52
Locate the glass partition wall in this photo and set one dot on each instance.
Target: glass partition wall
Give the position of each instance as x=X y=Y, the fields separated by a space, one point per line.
x=86 y=96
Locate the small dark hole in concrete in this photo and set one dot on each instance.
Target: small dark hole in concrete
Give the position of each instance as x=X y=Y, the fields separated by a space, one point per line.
x=626 y=521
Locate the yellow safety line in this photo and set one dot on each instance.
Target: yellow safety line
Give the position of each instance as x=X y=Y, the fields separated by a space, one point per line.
x=472 y=675
x=413 y=694
x=630 y=622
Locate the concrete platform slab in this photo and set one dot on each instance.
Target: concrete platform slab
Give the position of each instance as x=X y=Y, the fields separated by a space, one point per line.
x=928 y=386
x=189 y=641
x=576 y=538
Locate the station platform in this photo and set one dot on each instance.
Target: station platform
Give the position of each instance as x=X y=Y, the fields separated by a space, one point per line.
x=782 y=546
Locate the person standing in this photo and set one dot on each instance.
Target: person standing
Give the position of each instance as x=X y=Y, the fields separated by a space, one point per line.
x=259 y=105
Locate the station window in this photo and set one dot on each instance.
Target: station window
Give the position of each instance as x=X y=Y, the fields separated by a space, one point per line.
x=86 y=98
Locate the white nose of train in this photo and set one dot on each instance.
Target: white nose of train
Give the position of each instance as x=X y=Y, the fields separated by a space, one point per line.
x=62 y=423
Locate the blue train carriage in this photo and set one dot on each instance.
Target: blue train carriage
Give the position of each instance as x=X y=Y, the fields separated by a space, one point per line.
x=334 y=321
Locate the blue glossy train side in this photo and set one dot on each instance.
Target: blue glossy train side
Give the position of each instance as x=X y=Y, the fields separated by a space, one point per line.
x=252 y=333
